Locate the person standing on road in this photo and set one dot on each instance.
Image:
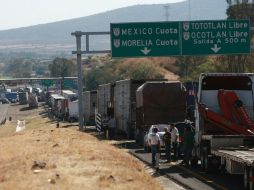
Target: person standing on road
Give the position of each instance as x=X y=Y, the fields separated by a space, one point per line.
x=167 y=142
x=174 y=140
x=154 y=142
x=188 y=143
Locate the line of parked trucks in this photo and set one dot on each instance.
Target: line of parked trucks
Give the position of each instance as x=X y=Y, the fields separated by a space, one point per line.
x=221 y=106
x=27 y=95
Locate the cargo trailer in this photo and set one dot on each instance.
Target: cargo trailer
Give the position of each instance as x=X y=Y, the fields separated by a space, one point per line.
x=105 y=100
x=125 y=105
x=90 y=103
x=23 y=98
x=159 y=103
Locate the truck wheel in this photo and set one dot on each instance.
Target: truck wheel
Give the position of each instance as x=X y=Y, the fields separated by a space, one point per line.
x=203 y=158
x=206 y=161
x=194 y=161
x=246 y=177
x=145 y=148
x=148 y=149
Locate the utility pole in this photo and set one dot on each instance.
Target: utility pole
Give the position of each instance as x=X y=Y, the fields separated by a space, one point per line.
x=166 y=7
x=189 y=2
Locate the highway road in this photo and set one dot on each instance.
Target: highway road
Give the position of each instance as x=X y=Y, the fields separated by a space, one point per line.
x=192 y=177
x=3 y=112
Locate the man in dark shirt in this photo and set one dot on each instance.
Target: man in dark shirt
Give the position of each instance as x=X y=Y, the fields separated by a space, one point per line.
x=167 y=142
x=188 y=143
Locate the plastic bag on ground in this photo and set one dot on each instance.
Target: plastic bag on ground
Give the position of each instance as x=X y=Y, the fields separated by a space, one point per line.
x=21 y=125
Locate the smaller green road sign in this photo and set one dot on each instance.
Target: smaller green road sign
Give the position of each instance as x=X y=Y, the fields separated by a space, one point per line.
x=215 y=37
x=145 y=39
x=47 y=82
x=69 y=83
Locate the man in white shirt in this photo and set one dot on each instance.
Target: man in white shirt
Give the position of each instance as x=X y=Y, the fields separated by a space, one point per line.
x=174 y=139
x=154 y=142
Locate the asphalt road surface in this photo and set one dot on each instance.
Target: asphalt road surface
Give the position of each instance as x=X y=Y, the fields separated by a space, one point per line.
x=192 y=177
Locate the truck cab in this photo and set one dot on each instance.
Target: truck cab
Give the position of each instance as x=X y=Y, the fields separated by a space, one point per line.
x=209 y=85
x=224 y=127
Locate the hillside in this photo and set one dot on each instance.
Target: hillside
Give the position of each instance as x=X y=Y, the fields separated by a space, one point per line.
x=56 y=36
x=46 y=157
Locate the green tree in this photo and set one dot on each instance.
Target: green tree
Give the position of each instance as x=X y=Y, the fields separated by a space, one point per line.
x=62 y=67
x=121 y=69
x=19 y=68
x=240 y=63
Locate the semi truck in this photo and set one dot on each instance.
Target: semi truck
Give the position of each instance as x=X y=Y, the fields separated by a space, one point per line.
x=23 y=98
x=224 y=131
x=159 y=103
x=12 y=96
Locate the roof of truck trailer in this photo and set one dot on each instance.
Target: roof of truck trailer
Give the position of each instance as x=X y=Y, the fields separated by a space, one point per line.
x=156 y=82
x=57 y=96
x=227 y=74
x=69 y=92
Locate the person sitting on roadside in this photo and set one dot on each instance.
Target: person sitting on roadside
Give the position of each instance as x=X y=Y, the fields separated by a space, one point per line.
x=154 y=142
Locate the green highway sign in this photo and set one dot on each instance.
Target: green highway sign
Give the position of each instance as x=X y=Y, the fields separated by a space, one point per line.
x=215 y=37
x=180 y=38
x=69 y=83
x=47 y=82
x=145 y=39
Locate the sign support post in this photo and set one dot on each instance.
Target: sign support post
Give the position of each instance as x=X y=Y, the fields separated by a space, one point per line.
x=79 y=52
x=78 y=35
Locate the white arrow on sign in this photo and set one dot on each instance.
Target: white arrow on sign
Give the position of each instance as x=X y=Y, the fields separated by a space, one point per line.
x=145 y=51
x=216 y=49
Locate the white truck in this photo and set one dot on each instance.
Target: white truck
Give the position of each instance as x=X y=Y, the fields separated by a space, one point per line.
x=73 y=110
x=224 y=131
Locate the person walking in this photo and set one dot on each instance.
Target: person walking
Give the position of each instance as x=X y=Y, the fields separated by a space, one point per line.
x=174 y=140
x=154 y=142
x=188 y=144
x=167 y=142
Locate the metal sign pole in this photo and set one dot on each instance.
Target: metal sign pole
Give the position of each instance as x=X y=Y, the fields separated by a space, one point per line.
x=78 y=52
x=80 y=79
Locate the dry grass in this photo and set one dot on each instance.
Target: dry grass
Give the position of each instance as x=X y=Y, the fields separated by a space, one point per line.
x=79 y=159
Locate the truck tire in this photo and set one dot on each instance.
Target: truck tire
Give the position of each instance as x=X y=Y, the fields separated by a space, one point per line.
x=203 y=157
x=246 y=177
x=205 y=160
x=194 y=161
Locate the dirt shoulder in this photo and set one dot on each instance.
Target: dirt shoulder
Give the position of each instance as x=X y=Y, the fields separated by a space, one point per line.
x=74 y=160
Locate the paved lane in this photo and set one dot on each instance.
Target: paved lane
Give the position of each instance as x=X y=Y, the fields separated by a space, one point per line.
x=194 y=177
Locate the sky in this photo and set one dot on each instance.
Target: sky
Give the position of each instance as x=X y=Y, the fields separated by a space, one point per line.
x=20 y=13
